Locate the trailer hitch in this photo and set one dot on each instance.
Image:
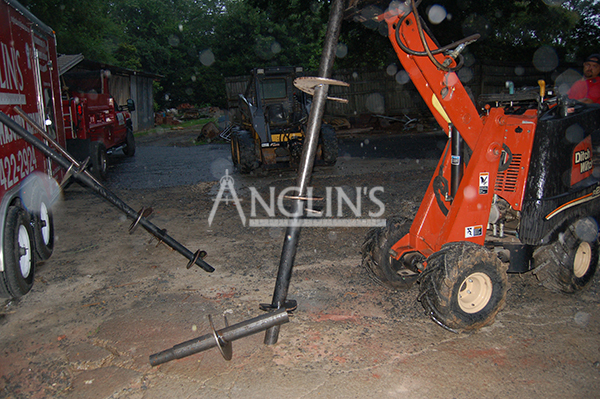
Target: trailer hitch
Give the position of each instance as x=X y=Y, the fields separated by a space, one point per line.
x=82 y=175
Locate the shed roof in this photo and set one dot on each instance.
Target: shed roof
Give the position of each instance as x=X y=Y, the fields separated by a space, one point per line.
x=68 y=62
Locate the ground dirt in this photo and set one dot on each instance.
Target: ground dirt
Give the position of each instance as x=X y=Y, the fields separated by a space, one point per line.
x=107 y=300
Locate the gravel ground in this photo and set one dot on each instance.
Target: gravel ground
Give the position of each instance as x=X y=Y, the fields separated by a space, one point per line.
x=106 y=300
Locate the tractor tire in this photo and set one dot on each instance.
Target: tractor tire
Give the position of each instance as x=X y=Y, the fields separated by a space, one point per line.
x=568 y=264
x=129 y=148
x=247 y=160
x=382 y=268
x=330 y=145
x=99 y=160
x=464 y=286
x=18 y=250
x=43 y=229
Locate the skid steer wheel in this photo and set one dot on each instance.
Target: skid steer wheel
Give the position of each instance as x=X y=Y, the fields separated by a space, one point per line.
x=19 y=261
x=384 y=269
x=463 y=287
x=569 y=263
x=247 y=160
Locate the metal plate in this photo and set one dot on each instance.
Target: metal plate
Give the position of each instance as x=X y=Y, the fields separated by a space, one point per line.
x=308 y=83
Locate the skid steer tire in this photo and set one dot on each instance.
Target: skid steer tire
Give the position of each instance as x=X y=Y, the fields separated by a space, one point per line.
x=568 y=264
x=330 y=145
x=247 y=160
x=464 y=286
x=382 y=268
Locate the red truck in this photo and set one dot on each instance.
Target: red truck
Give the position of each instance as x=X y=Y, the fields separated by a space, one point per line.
x=29 y=81
x=81 y=116
x=94 y=123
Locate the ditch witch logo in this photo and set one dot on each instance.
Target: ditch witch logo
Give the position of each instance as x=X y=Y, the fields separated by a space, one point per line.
x=325 y=218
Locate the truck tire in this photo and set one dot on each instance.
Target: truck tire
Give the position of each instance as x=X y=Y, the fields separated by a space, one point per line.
x=99 y=160
x=330 y=145
x=246 y=154
x=568 y=264
x=377 y=260
x=464 y=286
x=129 y=148
x=43 y=230
x=18 y=250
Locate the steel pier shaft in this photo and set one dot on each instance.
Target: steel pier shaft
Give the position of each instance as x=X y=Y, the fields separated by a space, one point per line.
x=307 y=160
x=89 y=181
x=228 y=334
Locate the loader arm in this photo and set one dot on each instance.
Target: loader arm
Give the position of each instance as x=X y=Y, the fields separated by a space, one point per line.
x=459 y=212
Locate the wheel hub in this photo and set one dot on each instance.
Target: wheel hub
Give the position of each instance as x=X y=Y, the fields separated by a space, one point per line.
x=475 y=292
x=583 y=258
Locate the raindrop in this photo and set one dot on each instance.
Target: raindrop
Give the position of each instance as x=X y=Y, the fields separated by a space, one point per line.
x=219 y=167
x=586 y=229
x=470 y=192
x=469 y=59
x=180 y=28
x=332 y=235
x=398 y=7
x=367 y=141
x=189 y=91
x=354 y=75
x=436 y=14
x=519 y=71
x=275 y=48
x=574 y=133
x=465 y=74
x=207 y=58
x=32 y=187
x=391 y=69
x=173 y=41
x=341 y=51
x=402 y=77
x=582 y=319
x=194 y=78
x=545 y=59
x=376 y=103
x=167 y=97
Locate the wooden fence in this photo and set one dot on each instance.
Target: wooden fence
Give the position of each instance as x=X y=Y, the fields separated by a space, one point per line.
x=389 y=91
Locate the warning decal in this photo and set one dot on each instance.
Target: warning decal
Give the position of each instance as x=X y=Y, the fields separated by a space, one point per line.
x=484 y=182
x=473 y=231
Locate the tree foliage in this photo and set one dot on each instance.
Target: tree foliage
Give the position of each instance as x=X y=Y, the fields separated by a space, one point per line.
x=194 y=44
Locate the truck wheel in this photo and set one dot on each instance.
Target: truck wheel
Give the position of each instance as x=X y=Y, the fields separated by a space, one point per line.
x=99 y=160
x=380 y=265
x=247 y=160
x=129 y=149
x=463 y=287
x=19 y=261
x=330 y=145
x=568 y=264
x=43 y=231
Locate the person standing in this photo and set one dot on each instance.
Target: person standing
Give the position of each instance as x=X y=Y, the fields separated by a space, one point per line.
x=587 y=90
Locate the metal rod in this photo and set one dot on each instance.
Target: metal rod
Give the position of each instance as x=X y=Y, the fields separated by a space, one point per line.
x=228 y=334
x=86 y=179
x=307 y=160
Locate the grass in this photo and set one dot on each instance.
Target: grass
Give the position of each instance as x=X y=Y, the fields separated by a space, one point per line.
x=184 y=125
